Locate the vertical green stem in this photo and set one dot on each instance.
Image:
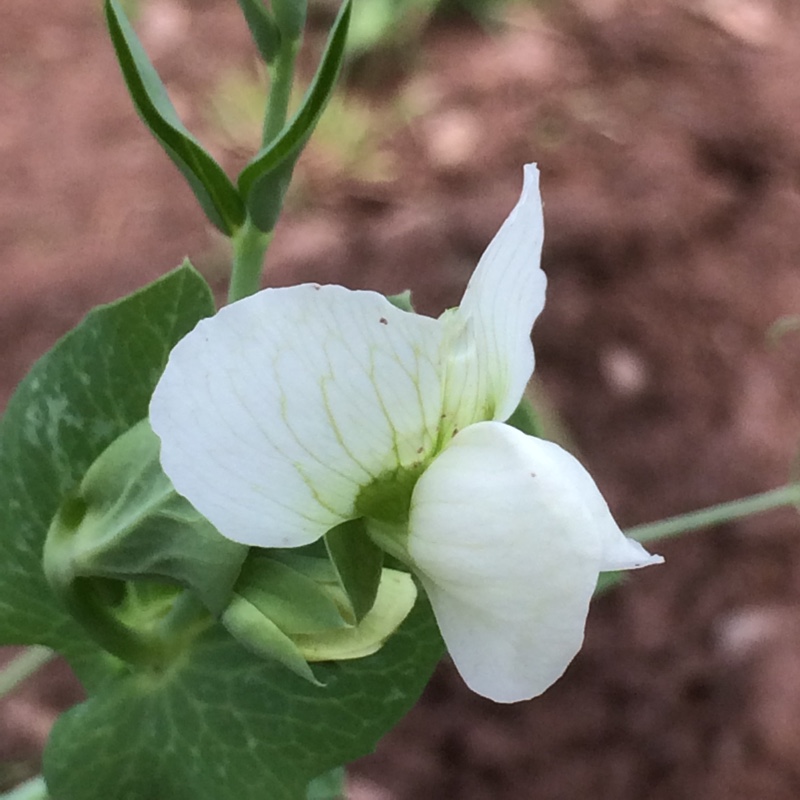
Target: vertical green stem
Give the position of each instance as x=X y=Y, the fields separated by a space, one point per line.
x=249 y=243
x=23 y=666
x=280 y=91
x=249 y=248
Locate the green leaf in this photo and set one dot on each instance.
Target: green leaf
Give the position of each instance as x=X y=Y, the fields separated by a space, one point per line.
x=264 y=181
x=78 y=398
x=223 y=723
x=358 y=561
x=217 y=722
x=212 y=187
x=262 y=27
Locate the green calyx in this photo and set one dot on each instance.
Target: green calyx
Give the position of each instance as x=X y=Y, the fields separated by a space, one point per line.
x=145 y=573
x=295 y=609
x=133 y=561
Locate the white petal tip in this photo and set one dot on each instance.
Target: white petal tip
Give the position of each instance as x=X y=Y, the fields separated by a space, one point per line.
x=627 y=553
x=530 y=199
x=530 y=180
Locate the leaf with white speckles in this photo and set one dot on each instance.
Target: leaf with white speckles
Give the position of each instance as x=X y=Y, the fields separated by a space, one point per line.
x=220 y=723
x=90 y=388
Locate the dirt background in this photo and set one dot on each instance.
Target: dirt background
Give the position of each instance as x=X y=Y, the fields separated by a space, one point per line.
x=668 y=134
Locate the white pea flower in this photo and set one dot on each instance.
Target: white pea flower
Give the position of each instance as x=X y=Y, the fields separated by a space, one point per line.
x=298 y=408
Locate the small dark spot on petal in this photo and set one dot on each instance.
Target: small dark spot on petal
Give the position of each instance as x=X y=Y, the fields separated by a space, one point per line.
x=316 y=287
x=420 y=449
x=383 y=321
x=533 y=474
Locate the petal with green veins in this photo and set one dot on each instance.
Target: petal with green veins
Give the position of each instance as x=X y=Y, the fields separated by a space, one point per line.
x=491 y=356
x=296 y=409
x=276 y=413
x=508 y=534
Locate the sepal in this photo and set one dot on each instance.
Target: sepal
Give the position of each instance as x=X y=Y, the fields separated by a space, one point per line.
x=301 y=594
x=291 y=608
x=357 y=561
x=253 y=629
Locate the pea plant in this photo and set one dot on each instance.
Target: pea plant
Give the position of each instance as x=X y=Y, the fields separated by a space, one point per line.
x=254 y=531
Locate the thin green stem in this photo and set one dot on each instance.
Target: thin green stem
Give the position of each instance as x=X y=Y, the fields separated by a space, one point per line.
x=280 y=91
x=249 y=243
x=249 y=248
x=34 y=789
x=29 y=661
x=788 y=495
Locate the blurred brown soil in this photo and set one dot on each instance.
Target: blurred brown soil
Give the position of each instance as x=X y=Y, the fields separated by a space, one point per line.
x=668 y=134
